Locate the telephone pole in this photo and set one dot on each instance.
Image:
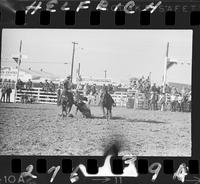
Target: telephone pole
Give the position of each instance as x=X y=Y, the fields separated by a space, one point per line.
x=105 y=71
x=165 y=67
x=18 y=68
x=73 y=53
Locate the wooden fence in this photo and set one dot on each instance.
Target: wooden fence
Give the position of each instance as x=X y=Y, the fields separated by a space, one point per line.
x=39 y=95
x=122 y=99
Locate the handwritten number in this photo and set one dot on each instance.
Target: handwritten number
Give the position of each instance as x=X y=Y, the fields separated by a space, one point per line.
x=181 y=173
x=50 y=5
x=155 y=171
x=55 y=169
x=32 y=6
x=74 y=175
x=29 y=169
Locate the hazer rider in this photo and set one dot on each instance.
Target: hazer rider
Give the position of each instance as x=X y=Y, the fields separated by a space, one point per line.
x=67 y=86
x=68 y=83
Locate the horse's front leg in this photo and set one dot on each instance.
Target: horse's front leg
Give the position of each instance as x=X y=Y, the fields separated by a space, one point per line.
x=69 y=109
x=110 y=112
x=63 y=110
x=162 y=107
x=107 y=113
x=104 y=114
x=76 y=111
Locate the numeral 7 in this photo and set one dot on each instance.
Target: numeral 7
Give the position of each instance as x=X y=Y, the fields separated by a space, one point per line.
x=55 y=169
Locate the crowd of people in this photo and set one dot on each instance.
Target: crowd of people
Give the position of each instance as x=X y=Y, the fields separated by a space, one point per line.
x=46 y=86
x=24 y=85
x=94 y=89
x=155 y=94
x=159 y=98
x=142 y=85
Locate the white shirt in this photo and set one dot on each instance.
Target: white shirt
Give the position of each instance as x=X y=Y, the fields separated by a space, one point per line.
x=173 y=98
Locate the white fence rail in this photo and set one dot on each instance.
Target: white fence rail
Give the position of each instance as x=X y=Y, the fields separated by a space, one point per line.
x=39 y=95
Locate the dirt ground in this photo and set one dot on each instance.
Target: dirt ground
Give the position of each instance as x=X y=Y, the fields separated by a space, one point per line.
x=37 y=129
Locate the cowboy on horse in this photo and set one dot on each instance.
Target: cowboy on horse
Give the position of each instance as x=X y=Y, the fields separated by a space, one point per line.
x=65 y=98
x=106 y=101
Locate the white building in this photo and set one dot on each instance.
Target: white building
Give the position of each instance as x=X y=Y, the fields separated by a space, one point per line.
x=98 y=82
x=9 y=73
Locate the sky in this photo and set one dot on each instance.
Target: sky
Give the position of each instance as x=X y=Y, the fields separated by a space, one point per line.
x=124 y=53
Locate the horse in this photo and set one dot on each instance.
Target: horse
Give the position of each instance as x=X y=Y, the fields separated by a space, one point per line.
x=66 y=101
x=107 y=102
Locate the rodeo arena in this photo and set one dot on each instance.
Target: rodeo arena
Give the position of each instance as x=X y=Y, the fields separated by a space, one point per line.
x=42 y=114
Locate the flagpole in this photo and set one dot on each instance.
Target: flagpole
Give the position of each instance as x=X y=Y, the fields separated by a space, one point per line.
x=165 y=68
x=18 y=68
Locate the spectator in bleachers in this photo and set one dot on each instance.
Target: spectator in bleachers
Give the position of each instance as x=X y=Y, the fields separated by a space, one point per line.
x=42 y=85
x=29 y=85
x=167 y=89
x=19 y=85
x=46 y=86
x=110 y=88
x=154 y=88
x=134 y=85
x=52 y=87
x=80 y=87
x=158 y=89
x=93 y=89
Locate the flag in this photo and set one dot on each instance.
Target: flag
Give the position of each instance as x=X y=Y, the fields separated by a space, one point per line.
x=16 y=59
x=20 y=47
x=170 y=64
x=78 y=76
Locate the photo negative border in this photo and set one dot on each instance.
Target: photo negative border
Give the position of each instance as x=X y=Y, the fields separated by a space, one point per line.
x=177 y=15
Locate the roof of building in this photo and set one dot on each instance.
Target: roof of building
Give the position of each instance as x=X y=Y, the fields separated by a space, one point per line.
x=179 y=86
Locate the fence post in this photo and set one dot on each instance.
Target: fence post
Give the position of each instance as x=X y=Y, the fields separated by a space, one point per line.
x=38 y=94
